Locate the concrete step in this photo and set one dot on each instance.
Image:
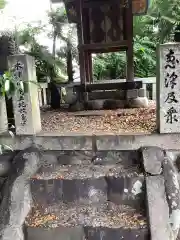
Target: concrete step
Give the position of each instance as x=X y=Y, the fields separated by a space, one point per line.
x=89 y=184
x=80 y=222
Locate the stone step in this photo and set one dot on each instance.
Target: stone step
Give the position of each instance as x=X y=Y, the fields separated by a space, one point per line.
x=87 y=233
x=80 y=157
x=80 y=222
x=89 y=184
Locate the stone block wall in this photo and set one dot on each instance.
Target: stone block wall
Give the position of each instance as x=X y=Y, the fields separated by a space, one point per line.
x=91 y=171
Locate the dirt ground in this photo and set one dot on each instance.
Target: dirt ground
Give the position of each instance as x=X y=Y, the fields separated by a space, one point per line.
x=106 y=121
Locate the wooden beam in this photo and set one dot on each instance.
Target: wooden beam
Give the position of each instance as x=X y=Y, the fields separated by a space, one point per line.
x=109 y=50
x=93 y=47
x=96 y=4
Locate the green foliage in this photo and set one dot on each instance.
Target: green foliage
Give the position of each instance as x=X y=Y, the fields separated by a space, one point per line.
x=144 y=57
x=57 y=18
x=8 y=84
x=113 y=65
x=56 y=65
x=166 y=16
x=4 y=148
x=156 y=27
x=109 y=66
x=68 y=51
x=150 y=30
x=2 y=4
x=46 y=64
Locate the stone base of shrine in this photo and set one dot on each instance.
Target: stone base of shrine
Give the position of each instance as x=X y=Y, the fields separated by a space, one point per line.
x=110 y=104
x=103 y=95
x=109 y=100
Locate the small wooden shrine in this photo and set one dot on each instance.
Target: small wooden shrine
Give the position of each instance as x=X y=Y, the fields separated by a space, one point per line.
x=104 y=26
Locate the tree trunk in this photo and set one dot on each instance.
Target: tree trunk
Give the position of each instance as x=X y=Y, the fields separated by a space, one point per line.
x=69 y=62
x=54 y=44
x=55 y=96
x=54 y=92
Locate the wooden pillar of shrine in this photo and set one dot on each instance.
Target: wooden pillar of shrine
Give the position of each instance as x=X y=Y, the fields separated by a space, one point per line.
x=81 y=42
x=88 y=65
x=129 y=37
x=87 y=54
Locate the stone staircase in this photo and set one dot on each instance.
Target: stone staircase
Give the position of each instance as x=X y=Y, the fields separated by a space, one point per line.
x=83 y=196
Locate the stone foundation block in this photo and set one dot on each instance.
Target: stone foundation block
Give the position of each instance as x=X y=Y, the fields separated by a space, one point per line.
x=132 y=93
x=142 y=92
x=139 y=102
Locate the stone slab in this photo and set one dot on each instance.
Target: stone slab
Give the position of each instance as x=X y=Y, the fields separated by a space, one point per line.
x=136 y=141
x=168 y=85
x=55 y=141
x=106 y=95
x=78 y=233
x=139 y=102
x=68 y=157
x=84 y=191
x=125 y=189
x=126 y=158
x=76 y=142
x=95 y=104
x=157 y=208
x=60 y=233
x=152 y=160
x=114 y=104
x=102 y=233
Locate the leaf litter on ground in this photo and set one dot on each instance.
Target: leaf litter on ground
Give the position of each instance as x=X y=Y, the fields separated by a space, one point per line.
x=106 y=121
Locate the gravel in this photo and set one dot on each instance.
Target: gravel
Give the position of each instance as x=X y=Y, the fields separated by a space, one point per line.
x=86 y=171
x=109 y=121
x=104 y=215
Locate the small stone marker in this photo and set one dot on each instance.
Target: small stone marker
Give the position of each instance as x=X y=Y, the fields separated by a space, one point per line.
x=26 y=105
x=168 y=85
x=3 y=115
